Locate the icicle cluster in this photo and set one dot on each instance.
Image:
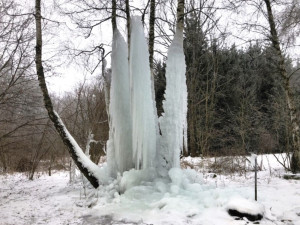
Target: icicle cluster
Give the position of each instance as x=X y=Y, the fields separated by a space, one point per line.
x=173 y=122
x=142 y=106
x=119 y=154
x=133 y=140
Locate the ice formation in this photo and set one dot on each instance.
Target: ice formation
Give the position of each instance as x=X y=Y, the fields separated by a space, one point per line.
x=142 y=105
x=133 y=138
x=119 y=154
x=173 y=122
x=133 y=120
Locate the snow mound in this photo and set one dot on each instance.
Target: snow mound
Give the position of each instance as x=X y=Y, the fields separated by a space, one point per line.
x=241 y=207
x=136 y=177
x=189 y=199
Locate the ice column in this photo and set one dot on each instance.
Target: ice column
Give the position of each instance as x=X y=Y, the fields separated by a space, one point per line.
x=173 y=122
x=119 y=153
x=142 y=105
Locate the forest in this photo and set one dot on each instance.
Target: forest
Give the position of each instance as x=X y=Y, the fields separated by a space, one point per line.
x=236 y=94
x=149 y=112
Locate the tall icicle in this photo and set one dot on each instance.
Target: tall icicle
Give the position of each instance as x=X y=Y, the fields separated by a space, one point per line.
x=119 y=155
x=142 y=105
x=173 y=122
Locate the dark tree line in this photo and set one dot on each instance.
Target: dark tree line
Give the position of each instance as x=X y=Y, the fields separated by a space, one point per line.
x=235 y=97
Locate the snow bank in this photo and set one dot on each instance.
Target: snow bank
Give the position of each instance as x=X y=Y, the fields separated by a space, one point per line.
x=180 y=198
x=246 y=206
x=188 y=199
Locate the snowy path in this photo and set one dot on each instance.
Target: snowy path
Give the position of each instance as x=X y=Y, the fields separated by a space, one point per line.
x=51 y=200
x=45 y=200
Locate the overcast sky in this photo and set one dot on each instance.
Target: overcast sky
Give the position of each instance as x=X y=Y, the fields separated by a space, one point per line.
x=69 y=72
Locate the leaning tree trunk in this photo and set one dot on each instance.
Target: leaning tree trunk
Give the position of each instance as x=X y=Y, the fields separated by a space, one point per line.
x=295 y=162
x=87 y=168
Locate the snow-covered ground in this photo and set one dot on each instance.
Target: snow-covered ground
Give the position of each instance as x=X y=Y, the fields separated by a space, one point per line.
x=189 y=197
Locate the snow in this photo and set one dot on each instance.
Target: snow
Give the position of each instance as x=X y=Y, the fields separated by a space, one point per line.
x=246 y=206
x=90 y=139
x=46 y=200
x=134 y=178
x=252 y=159
x=173 y=122
x=142 y=106
x=186 y=197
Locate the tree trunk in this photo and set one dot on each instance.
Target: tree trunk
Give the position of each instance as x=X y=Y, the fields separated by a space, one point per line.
x=114 y=15
x=71 y=145
x=50 y=164
x=151 y=36
x=295 y=162
x=127 y=10
x=180 y=15
x=107 y=80
x=38 y=154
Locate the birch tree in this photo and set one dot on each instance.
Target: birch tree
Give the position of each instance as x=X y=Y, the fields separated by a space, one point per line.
x=264 y=22
x=274 y=38
x=85 y=165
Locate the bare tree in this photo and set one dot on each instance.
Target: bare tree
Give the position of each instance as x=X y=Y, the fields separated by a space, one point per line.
x=295 y=163
x=151 y=35
x=290 y=21
x=72 y=146
x=21 y=110
x=16 y=78
x=39 y=153
x=85 y=112
x=265 y=9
